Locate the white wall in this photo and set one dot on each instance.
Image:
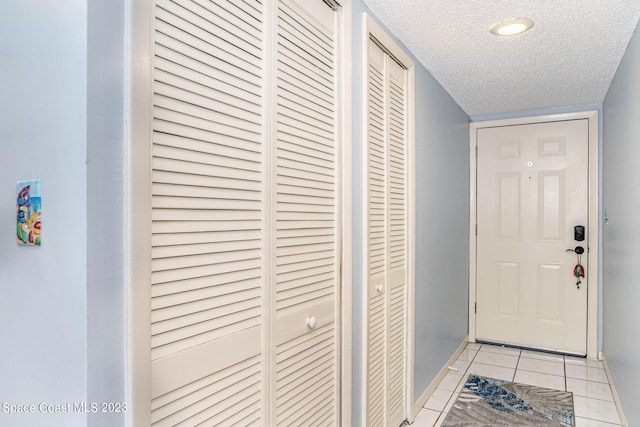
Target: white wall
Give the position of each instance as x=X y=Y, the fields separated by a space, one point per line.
x=43 y=305
x=442 y=235
x=621 y=197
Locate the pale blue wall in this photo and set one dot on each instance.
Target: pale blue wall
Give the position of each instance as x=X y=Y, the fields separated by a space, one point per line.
x=43 y=306
x=622 y=235
x=442 y=228
x=106 y=295
x=442 y=235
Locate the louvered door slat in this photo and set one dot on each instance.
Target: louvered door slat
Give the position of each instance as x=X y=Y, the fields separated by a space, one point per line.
x=164 y=215
x=309 y=37
x=202 y=96
x=171 y=24
x=305 y=57
x=226 y=256
x=187 y=170
x=175 y=40
x=172 y=402
x=212 y=22
x=297 y=100
x=196 y=411
x=208 y=248
x=171 y=318
x=245 y=223
x=171 y=62
x=163 y=241
x=252 y=8
x=376 y=360
x=293 y=119
x=296 y=103
x=229 y=125
x=239 y=13
x=212 y=147
x=311 y=376
x=175 y=122
x=175 y=406
x=299 y=358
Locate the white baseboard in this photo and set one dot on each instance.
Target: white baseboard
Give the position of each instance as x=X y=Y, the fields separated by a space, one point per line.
x=417 y=406
x=616 y=399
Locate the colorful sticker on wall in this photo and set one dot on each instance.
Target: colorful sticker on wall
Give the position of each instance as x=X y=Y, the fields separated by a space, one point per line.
x=28 y=213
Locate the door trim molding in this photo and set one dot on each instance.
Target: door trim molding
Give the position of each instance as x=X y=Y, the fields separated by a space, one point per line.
x=139 y=60
x=593 y=221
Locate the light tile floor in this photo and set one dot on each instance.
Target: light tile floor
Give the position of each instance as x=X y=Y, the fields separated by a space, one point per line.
x=592 y=397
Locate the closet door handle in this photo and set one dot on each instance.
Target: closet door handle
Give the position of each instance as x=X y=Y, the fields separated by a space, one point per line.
x=379 y=287
x=311 y=322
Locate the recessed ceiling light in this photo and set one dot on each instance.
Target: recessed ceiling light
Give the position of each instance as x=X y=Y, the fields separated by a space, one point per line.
x=512 y=27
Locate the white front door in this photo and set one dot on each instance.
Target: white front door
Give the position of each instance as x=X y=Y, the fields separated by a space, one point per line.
x=532 y=190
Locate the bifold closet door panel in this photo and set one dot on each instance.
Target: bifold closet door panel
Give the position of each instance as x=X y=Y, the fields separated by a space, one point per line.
x=306 y=246
x=207 y=213
x=397 y=237
x=377 y=237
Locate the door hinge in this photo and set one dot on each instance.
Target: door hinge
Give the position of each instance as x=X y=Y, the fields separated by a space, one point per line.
x=476 y=151
x=476 y=229
x=475 y=308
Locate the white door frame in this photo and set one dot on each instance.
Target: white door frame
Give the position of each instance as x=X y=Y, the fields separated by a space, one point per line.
x=346 y=202
x=593 y=218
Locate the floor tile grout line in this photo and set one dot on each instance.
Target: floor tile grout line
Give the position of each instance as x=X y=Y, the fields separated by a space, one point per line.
x=595 y=419
x=543 y=373
x=515 y=371
x=566 y=386
x=592 y=398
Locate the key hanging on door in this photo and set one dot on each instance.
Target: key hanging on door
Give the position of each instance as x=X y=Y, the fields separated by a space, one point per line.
x=578 y=271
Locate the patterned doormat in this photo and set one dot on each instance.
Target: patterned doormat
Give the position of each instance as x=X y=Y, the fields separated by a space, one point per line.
x=487 y=402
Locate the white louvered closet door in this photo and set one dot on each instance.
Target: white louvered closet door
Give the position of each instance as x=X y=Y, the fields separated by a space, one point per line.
x=245 y=252
x=387 y=240
x=306 y=246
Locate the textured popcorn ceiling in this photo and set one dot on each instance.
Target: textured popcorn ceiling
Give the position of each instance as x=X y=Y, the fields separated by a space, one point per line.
x=568 y=58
